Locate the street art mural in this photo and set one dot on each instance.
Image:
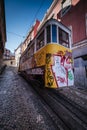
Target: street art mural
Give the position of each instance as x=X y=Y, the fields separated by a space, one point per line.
x=59 y=69
x=59 y=72
x=62 y=69
x=49 y=76
x=54 y=64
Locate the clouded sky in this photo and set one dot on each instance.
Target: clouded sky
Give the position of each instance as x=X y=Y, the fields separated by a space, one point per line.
x=20 y=16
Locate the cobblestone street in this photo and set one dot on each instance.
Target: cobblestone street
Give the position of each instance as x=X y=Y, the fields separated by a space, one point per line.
x=22 y=109
x=43 y=65
x=19 y=109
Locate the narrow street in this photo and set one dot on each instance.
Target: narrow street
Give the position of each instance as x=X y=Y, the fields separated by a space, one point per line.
x=19 y=109
x=43 y=65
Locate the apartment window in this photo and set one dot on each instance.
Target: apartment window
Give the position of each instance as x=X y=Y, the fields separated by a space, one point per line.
x=65 y=7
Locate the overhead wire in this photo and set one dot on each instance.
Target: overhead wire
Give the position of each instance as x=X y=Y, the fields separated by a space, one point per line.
x=31 y=21
x=36 y=14
x=16 y=34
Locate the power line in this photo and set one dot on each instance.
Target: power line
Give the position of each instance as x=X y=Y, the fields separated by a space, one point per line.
x=37 y=13
x=31 y=21
x=16 y=34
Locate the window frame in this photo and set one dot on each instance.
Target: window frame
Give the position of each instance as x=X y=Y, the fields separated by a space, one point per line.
x=40 y=39
x=48 y=34
x=55 y=37
x=64 y=42
x=65 y=6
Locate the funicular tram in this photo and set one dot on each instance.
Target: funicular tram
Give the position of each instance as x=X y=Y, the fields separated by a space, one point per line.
x=48 y=57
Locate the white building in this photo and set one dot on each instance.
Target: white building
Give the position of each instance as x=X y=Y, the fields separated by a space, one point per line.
x=18 y=54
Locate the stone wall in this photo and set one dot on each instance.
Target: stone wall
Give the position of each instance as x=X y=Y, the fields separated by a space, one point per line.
x=9 y=62
x=80 y=74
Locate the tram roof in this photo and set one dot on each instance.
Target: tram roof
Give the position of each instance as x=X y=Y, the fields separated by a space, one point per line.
x=50 y=21
x=47 y=22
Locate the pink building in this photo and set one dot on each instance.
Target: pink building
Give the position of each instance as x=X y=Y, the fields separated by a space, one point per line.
x=75 y=18
x=30 y=36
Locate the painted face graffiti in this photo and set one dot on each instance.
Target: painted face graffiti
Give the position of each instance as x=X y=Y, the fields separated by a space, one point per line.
x=59 y=72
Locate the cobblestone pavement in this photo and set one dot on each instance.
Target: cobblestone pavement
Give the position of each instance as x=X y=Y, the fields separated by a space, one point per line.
x=76 y=95
x=19 y=109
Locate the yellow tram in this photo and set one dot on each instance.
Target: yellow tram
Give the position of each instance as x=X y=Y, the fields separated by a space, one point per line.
x=48 y=57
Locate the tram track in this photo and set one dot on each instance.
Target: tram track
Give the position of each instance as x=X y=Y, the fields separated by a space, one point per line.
x=75 y=108
x=70 y=115
x=63 y=110
x=58 y=123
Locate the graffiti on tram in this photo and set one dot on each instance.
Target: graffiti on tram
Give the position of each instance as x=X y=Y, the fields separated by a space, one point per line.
x=62 y=69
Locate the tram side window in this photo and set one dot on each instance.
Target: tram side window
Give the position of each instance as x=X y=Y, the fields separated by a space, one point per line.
x=24 y=58
x=30 y=51
x=48 y=34
x=40 y=41
x=54 y=33
x=63 y=38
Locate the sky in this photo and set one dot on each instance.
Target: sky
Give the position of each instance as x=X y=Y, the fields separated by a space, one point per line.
x=20 y=15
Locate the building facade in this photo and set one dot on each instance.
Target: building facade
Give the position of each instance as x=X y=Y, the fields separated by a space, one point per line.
x=21 y=48
x=18 y=54
x=75 y=17
x=7 y=54
x=2 y=30
x=8 y=58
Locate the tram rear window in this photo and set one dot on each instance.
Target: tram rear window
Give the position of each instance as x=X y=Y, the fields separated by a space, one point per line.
x=54 y=33
x=63 y=38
